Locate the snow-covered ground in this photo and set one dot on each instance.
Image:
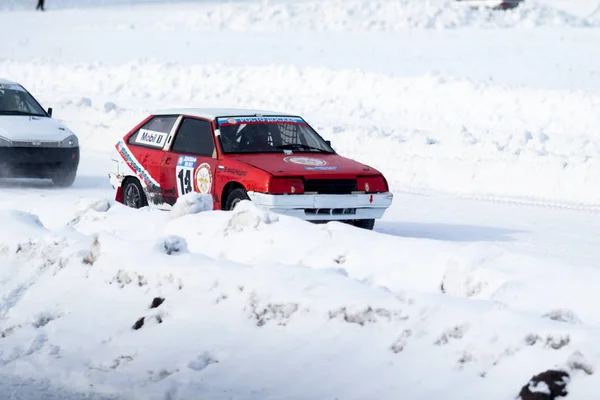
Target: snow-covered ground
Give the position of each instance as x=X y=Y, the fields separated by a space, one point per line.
x=482 y=274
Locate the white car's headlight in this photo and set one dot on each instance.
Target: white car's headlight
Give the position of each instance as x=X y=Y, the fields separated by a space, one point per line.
x=5 y=142
x=71 y=141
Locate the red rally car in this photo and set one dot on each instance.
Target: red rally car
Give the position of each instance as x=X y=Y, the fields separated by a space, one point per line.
x=278 y=161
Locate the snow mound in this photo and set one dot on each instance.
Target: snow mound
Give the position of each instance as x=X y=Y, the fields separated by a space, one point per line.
x=191 y=203
x=84 y=102
x=97 y=205
x=172 y=245
x=206 y=284
x=20 y=218
x=19 y=226
x=246 y=215
x=577 y=361
x=328 y=15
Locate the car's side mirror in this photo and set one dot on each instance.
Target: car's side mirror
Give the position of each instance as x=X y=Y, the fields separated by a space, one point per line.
x=328 y=142
x=50 y=111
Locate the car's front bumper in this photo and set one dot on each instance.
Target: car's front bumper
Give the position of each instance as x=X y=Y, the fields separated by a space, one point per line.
x=37 y=162
x=324 y=207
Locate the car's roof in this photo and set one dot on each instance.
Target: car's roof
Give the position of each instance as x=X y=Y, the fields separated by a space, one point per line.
x=212 y=113
x=7 y=82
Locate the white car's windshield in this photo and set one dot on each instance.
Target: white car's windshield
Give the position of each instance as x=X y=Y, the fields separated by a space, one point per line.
x=269 y=135
x=16 y=101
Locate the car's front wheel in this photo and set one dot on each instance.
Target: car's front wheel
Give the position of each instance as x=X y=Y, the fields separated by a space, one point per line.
x=64 y=178
x=133 y=194
x=235 y=197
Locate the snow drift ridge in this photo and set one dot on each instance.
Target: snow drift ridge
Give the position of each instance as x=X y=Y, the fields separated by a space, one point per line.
x=329 y=15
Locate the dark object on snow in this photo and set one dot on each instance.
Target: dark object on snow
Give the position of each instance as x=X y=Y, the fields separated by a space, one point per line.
x=138 y=324
x=40 y=5
x=548 y=385
x=492 y=4
x=157 y=302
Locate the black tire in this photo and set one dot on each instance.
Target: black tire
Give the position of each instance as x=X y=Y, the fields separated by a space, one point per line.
x=64 y=178
x=368 y=224
x=235 y=197
x=133 y=194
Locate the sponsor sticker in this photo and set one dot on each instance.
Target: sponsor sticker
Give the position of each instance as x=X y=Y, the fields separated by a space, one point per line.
x=133 y=163
x=151 y=138
x=260 y=120
x=323 y=168
x=203 y=178
x=235 y=171
x=311 y=161
x=187 y=161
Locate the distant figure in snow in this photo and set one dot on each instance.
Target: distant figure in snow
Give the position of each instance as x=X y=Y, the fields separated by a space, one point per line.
x=40 y=5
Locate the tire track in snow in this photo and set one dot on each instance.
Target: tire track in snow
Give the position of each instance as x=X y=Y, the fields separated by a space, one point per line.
x=524 y=201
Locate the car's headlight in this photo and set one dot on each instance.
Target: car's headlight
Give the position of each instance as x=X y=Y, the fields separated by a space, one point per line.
x=71 y=141
x=5 y=142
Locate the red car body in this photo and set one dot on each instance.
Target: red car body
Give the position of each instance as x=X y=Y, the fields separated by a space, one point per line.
x=293 y=171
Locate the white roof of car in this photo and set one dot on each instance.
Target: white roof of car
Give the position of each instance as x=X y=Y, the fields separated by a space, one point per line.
x=212 y=113
x=7 y=82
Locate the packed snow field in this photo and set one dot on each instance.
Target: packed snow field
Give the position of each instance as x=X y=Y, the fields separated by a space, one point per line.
x=455 y=295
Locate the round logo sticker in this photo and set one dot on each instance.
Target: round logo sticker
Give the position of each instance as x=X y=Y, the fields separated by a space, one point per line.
x=315 y=162
x=203 y=178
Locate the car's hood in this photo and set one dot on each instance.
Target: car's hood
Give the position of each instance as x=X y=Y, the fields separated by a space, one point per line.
x=19 y=127
x=306 y=164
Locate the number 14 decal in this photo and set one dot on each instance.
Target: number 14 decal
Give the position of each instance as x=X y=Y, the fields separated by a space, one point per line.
x=184 y=180
x=185 y=171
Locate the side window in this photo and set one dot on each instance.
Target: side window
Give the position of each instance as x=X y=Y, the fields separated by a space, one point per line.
x=154 y=133
x=194 y=137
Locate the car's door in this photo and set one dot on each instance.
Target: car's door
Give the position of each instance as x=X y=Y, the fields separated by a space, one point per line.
x=191 y=161
x=146 y=145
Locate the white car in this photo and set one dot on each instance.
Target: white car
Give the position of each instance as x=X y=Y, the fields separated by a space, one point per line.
x=32 y=144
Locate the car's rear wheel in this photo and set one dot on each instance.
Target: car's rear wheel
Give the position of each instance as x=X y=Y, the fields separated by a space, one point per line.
x=64 y=178
x=235 y=197
x=133 y=194
x=365 y=223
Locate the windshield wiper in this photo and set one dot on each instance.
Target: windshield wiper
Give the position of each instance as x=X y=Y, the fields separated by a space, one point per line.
x=17 y=112
x=299 y=146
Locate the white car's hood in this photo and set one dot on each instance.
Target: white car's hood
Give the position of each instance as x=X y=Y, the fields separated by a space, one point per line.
x=19 y=127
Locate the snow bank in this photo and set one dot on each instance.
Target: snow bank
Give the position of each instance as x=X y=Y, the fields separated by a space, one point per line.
x=498 y=140
x=330 y=15
x=191 y=203
x=240 y=302
x=356 y=15
x=22 y=225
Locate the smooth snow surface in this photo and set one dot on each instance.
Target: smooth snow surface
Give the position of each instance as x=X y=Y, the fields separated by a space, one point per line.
x=483 y=273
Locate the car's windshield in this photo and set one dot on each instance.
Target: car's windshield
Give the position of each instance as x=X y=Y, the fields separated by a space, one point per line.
x=16 y=101
x=269 y=135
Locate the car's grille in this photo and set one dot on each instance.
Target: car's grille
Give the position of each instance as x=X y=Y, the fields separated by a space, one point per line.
x=34 y=144
x=330 y=186
x=330 y=211
x=36 y=155
x=31 y=162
